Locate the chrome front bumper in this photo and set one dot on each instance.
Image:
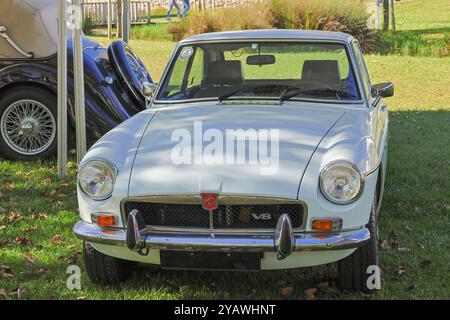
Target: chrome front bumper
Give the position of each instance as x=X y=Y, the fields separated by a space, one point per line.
x=283 y=241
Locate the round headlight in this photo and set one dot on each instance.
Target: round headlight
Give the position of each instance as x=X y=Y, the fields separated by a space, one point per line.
x=96 y=179
x=341 y=182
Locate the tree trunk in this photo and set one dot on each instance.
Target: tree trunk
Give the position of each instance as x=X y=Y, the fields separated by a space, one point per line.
x=385 y=15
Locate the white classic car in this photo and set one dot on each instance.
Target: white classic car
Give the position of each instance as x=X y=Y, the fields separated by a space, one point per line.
x=259 y=150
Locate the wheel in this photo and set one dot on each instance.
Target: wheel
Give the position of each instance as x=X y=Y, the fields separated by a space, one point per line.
x=103 y=269
x=352 y=271
x=28 y=124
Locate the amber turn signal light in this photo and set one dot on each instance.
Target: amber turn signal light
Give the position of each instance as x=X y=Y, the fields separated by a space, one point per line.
x=327 y=225
x=105 y=220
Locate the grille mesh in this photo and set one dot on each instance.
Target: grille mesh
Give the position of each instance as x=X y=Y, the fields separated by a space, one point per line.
x=225 y=217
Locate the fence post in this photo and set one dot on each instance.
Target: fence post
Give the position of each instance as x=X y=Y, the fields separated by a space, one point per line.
x=149 y=12
x=109 y=20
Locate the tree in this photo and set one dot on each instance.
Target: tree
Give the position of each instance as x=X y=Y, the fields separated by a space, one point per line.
x=385 y=15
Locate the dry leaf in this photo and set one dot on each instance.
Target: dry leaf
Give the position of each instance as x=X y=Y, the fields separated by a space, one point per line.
x=403 y=249
x=82 y=298
x=3 y=293
x=384 y=245
x=400 y=270
x=29 y=257
x=24 y=241
x=310 y=294
x=5 y=272
x=10 y=186
x=47 y=181
x=64 y=184
x=29 y=229
x=43 y=216
x=53 y=192
x=57 y=240
x=2 y=227
x=19 y=293
x=36 y=272
x=286 y=291
x=2 y=242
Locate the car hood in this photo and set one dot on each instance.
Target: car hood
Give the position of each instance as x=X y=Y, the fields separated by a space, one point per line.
x=293 y=133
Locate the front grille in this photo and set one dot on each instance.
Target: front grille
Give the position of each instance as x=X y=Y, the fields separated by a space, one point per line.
x=225 y=217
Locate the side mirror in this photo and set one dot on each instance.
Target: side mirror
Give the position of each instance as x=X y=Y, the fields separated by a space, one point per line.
x=148 y=89
x=383 y=90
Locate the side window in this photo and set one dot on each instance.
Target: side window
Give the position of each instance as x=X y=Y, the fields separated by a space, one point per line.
x=362 y=66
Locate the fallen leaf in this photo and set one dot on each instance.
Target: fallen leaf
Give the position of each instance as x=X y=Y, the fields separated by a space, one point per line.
x=2 y=227
x=19 y=293
x=64 y=184
x=403 y=249
x=47 y=181
x=385 y=245
x=286 y=291
x=24 y=241
x=3 y=293
x=29 y=257
x=5 y=272
x=82 y=298
x=43 y=216
x=9 y=186
x=310 y=294
x=2 y=242
x=30 y=229
x=401 y=270
x=57 y=240
x=53 y=192
x=71 y=259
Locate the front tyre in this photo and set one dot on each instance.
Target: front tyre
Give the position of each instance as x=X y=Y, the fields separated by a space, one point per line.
x=103 y=269
x=352 y=271
x=28 y=124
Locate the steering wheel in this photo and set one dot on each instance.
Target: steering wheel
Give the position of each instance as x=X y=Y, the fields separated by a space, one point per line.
x=130 y=69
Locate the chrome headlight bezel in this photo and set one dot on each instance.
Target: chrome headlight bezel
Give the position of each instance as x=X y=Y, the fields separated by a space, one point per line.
x=349 y=165
x=110 y=168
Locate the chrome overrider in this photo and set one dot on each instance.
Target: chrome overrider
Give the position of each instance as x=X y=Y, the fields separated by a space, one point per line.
x=283 y=241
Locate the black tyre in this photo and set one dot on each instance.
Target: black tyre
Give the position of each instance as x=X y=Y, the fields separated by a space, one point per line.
x=28 y=127
x=352 y=271
x=103 y=269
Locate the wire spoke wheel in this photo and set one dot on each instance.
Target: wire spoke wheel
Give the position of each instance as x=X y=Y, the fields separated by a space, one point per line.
x=28 y=127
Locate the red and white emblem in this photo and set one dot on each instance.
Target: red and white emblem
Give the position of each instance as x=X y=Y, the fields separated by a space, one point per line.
x=210 y=201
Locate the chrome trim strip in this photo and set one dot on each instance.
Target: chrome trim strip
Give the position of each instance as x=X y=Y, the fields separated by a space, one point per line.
x=226 y=243
x=223 y=199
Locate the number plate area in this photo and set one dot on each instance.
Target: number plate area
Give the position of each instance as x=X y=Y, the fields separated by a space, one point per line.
x=235 y=261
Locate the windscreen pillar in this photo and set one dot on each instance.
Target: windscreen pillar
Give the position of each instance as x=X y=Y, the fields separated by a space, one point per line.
x=62 y=90
x=78 y=70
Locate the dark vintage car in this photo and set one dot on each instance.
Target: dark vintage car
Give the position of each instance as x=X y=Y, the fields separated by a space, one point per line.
x=114 y=79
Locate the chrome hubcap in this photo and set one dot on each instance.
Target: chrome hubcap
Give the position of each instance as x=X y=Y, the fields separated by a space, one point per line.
x=28 y=127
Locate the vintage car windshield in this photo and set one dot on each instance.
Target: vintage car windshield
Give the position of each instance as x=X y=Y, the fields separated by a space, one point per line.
x=266 y=70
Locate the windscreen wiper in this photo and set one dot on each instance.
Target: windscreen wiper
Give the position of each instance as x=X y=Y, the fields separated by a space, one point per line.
x=255 y=88
x=323 y=92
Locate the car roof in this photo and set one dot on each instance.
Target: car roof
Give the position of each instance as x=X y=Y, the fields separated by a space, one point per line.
x=288 y=34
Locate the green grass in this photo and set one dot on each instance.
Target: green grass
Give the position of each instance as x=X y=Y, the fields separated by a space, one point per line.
x=423 y=29
x=155 y=31
x=414 y=215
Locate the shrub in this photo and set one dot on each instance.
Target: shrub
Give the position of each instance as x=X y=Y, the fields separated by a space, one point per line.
x=348 y=16
x=88 y=25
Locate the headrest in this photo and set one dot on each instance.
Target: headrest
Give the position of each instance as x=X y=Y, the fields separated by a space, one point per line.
x=322 y=71
x=219 y=73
